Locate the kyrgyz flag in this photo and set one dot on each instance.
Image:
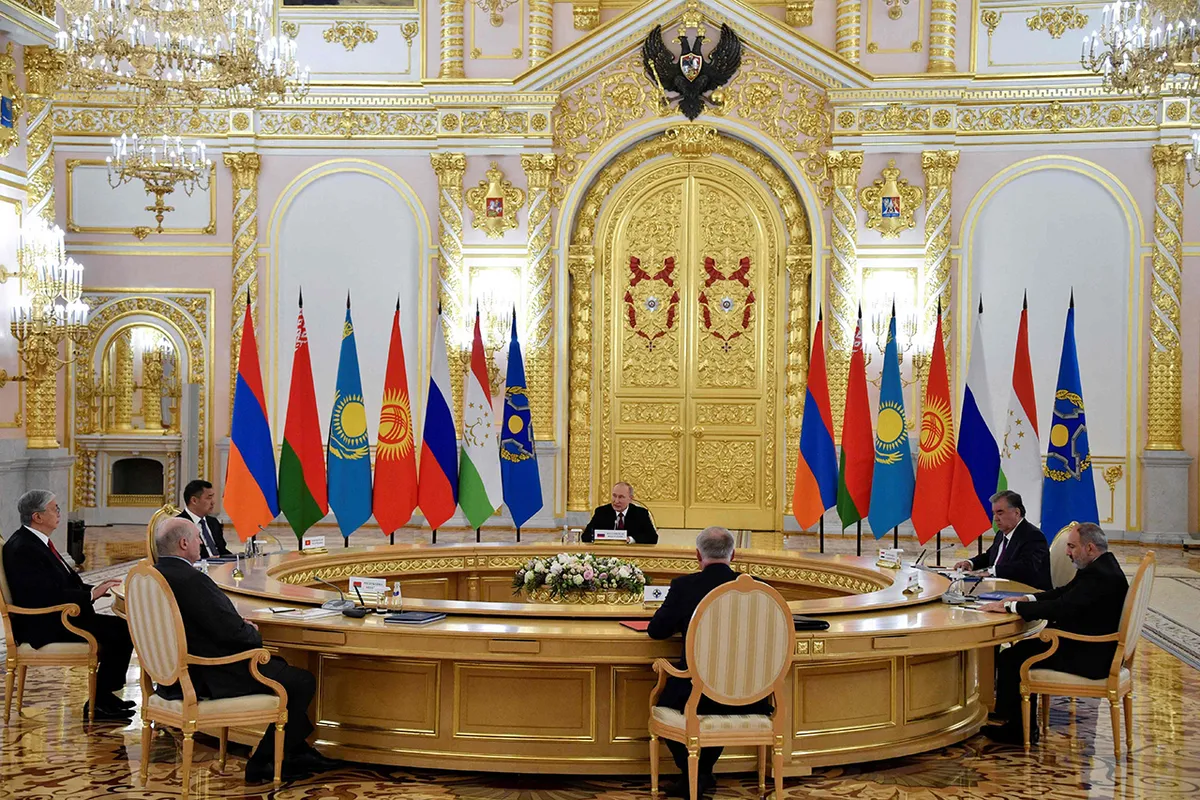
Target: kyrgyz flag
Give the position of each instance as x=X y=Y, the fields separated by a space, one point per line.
x=977 y=462
x=251 y=493
x=349 y=448
x=858 y=447
x=437 y=491
x=395 y=451
x=302 y=495
x=480 y=490
x=816 y=486
x=893 y=482
x=1021 y=449
x=935 y=461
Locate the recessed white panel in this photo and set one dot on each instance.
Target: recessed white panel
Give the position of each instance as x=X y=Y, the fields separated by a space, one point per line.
x=96 y=204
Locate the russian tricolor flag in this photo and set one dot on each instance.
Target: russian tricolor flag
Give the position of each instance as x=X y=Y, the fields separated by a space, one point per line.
x=251 y=492
x=816 y=485
x=437 y=492
x=977 y=468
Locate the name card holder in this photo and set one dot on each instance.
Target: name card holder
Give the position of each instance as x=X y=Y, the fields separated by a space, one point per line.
x=654 y=595
x=312 y=545
x=609 y=537
x=889 y=558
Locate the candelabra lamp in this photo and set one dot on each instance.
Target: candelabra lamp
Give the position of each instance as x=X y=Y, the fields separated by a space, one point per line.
x=160 y=166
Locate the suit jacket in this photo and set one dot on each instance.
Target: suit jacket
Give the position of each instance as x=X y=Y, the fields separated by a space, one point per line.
x=637 y=523
x=214 y=628
x=1026 y=558
x=216 y=530
x=37 y=579
x=1090 y=604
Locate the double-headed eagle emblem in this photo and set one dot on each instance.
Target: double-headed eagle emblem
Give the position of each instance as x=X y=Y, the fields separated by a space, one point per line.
x=692 y=75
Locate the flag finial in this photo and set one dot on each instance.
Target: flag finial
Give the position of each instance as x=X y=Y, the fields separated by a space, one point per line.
x=939 y=306
x=980 y=304
x=347 y=299
x=439 y=308
x=301 y=297
x=860 y=309
x=247 y=298
x=893 y=305
x=397 y=302
x=1025 y=301
x=1072 y=297
x=820 y=313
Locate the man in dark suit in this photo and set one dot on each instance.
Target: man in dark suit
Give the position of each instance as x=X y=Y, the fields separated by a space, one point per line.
x=39 y=577
x=199 y=499
x=714 y=551
x=620 y=515
x=1091 y=604
x=1020 y=551
x=214 y=628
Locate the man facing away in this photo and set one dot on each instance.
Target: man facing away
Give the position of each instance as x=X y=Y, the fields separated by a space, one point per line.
x=39 y=577
x=1091 y=604
x=1020 y=552
x=714 y=551
x=199 y=500
x=214 y=628
x=621 y=515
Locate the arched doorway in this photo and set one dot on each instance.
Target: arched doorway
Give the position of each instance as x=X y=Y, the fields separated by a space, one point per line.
x=687 y=329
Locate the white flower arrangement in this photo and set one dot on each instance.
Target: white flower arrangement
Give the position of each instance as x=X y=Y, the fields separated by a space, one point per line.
x=569 y=574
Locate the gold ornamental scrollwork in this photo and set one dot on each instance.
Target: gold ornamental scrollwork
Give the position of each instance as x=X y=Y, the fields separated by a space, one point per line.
x=449 y=168
x=990 y=19
x=1057 y=20
x=44 y=71
x=495 y=203
x=494 y=122
x=350 y=34
x=890 y=202
x=939 y=167
x=799 y=13
x=244 y=168
x=110 y=121
x=894 y=117
x=1164 y=407
x=1057 y=116
x=585 y=14
x=845 y=275
x=581 y=263
x=539 y=291
x=11 y=98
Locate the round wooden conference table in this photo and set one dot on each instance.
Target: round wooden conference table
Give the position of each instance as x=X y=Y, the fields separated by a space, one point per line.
x=513 y=686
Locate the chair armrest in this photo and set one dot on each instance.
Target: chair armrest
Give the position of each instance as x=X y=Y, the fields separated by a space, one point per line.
x=65 y=610
x=259 y=654
x=663 y=667
x=1047 y=634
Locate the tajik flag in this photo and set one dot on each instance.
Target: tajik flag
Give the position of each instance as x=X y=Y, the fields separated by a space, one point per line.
x=1020 y=449
x=480 y=491
x=302 y=495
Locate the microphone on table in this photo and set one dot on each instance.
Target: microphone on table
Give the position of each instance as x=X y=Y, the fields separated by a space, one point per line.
x=335 y=605
x=361 y=610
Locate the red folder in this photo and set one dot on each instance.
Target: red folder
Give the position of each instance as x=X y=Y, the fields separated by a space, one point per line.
x=636 y=624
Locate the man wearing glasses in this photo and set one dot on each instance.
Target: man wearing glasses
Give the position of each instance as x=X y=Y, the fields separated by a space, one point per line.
x=39 y=577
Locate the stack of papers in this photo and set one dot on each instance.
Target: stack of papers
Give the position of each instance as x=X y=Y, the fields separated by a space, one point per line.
x=308 y=613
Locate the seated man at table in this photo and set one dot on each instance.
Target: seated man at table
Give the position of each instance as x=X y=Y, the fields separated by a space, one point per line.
x=1019 y=552
x=621 y=515
x=38 y=577
x=714 y=551
x=199 y=499
x=214 y=628
x=1091 y=604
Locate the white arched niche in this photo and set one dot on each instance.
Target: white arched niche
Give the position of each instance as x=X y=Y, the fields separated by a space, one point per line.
x=346 y=229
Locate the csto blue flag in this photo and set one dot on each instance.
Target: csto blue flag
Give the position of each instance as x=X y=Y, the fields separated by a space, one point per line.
x=349 y=449
x=1068 y=490
x=893 y=481
x=518 y=459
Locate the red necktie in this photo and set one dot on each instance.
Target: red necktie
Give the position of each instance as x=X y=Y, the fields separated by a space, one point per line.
x=54 y=550
x=620 y=520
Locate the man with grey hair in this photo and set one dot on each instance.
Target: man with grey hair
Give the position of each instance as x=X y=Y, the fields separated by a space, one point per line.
x=214 y=629
x=1091 y=605
x=714 y=551
x=38 y=577
x=622 y=515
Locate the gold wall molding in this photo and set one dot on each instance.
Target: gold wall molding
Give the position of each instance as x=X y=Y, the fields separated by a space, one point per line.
x=939 y=166
x=798 y=264
x=280 y=123
x=44 y=70
x=848 y=30
x=539 y=292
x=799 y=13
x=581 y=264
x=541 y=29
x=1165 y=400
x=845 y=283
x=452 y=283
x=1057 y=117
x=495 y=203
x=350 y=34
x=1057 y=20
x=9 y=89
x=84 y=493
x=80 y=120
x=585 y=14
x=140 y=231
x=943 y=17
x=451 y=65
x=991 y=20
x=890 y=185
x=494 y=122
x=244 y=168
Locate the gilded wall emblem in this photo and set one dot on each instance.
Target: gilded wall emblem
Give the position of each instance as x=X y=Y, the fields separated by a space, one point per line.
x=890 y=202
x=495 y=203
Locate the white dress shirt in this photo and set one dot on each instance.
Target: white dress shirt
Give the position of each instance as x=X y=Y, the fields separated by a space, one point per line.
x=206 y=537
x=1007 y=542
x=46 y=541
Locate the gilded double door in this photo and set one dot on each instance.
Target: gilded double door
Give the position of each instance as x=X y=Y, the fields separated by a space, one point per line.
x=691 y=374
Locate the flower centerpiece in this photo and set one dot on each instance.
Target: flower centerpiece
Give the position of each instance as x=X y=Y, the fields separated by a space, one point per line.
x=575 y=578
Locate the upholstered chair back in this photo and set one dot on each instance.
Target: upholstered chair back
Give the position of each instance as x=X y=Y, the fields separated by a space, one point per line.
x=1062 y=570
x=166 y=512
x=1137 y=603
x=155 y=623
x=740 y=641
x=5 y=592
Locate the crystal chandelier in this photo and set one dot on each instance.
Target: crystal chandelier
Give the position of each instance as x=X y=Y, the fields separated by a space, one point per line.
x=219 y=52
x=1142 y=47
x=159 y=167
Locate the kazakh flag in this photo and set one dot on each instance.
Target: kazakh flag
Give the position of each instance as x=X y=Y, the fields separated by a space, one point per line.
x=893 y=482
x=349 y=450
x=1068 y=489
x=518 y=459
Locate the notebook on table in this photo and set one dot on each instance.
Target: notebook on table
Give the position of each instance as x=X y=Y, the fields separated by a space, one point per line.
x=1002 y=595
x=636 y=624
x=414 y=617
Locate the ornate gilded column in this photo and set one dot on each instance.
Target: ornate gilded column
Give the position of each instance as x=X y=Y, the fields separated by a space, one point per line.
x=845 y=284
x=244 y=167
x=1165 y=401
x=939 y=166
x=123 y=383
x=581 y=263
x=799 y=13
x=449 y=168
x=799 y=264
x=540 y=30
x=943 y=16
x=152 y=374
x=452 y=39
x=43 y=73
x=848 y=31
x=539 y=292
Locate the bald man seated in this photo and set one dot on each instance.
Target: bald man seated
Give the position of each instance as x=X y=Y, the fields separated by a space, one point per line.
x=214 y=628
x=622 y=515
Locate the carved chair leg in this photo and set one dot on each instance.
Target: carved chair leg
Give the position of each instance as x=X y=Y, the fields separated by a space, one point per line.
x=223 y=752
x=777 y=768
x=762 y=770
x=10 y=678
x=1025 y=718
x=693 y=770
x=92 y=692
x=146 y=733
x=185 y=773
x=1128 y=703
x=1116 y=724
x=20 y=687
x=278 y=754
x=1044 y=708
x=653 y=765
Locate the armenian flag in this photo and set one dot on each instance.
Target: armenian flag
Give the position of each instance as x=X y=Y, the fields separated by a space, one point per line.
x=251 y=493
x=816 y=486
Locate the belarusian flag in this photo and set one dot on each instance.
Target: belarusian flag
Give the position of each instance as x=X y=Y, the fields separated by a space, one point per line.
x=395 y=454
x=302 y=495
x=480 y=491
x=857 y=464
x=1021 y=449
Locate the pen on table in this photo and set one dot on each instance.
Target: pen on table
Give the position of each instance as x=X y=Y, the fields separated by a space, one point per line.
x=921 y=557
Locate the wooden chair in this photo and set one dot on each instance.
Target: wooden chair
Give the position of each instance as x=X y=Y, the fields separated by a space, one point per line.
x=739 y=650
x=1062 y=570
x=1118 y=686
x=19 y=657
x=158 y=637
x=166 y=512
